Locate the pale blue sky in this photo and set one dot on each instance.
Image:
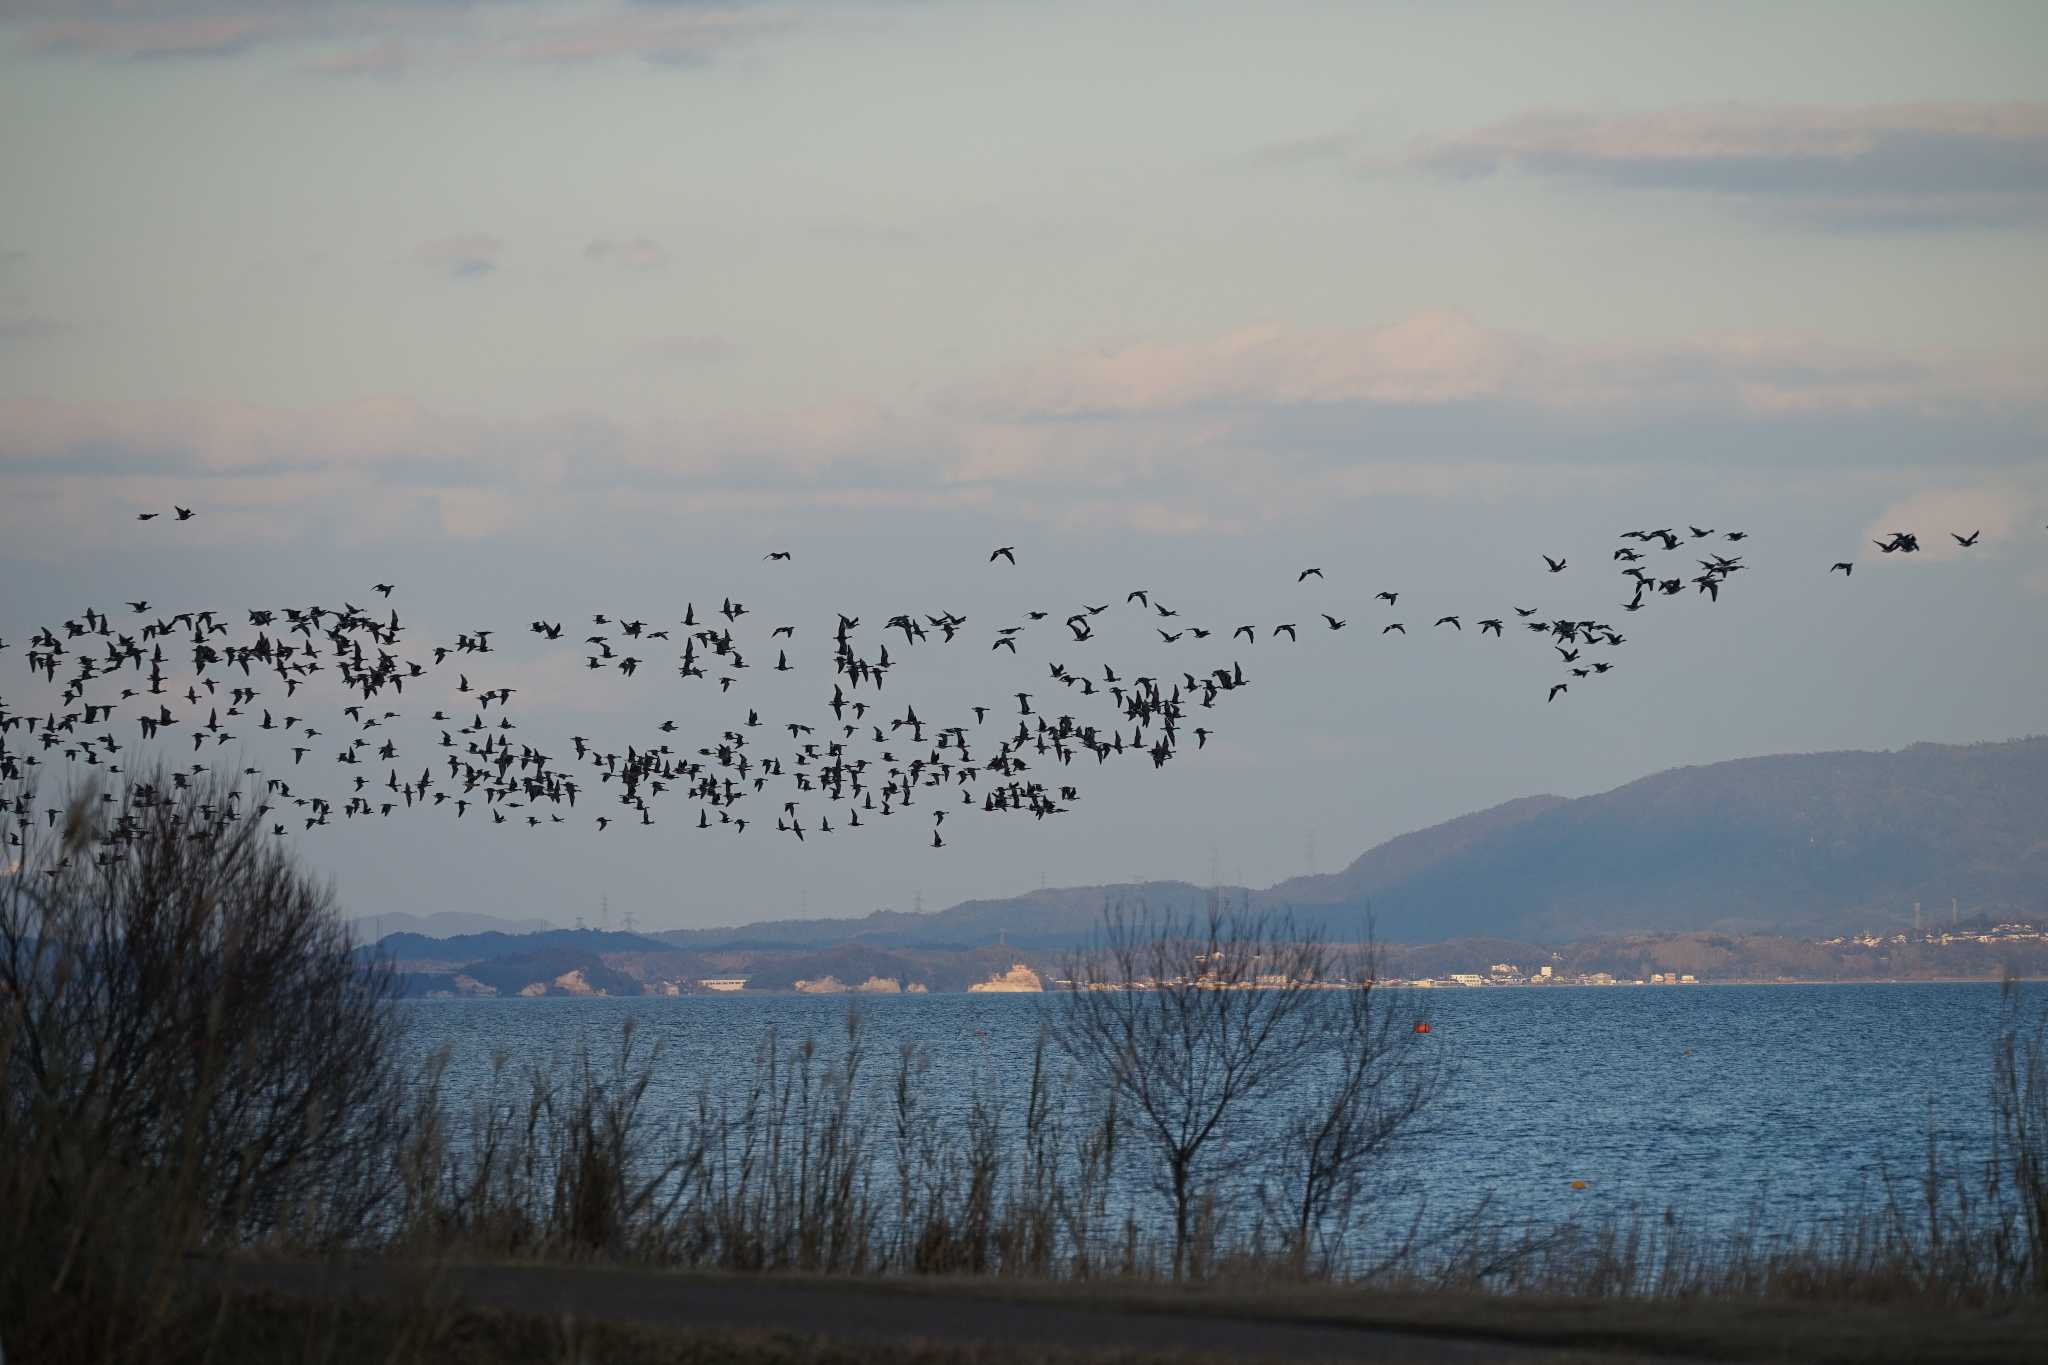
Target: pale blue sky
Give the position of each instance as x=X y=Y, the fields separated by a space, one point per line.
x=532 y=307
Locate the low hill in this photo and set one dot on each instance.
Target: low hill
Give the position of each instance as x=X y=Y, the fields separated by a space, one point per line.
x=442 y=924
x=1794 y=841
x=1804 y=841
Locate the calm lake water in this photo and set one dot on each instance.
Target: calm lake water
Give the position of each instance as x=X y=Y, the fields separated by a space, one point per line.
x=1719 y=1102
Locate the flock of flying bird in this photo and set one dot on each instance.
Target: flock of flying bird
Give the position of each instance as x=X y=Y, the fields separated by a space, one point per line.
x=857 y=760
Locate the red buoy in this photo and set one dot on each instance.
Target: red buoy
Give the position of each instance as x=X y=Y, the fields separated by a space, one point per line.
x=1421 y=1026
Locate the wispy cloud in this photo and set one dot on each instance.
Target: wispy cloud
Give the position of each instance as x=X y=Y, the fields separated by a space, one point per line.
x=1256 y=428
x=386 y=58
x=466 y=256
x=142 y=39
x=634 y=253
x=1441 y=358
x=1909 y=166
x=662 y=39
x=385 y=38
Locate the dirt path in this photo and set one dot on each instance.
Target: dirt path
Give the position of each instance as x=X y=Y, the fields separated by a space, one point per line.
x=880 y=1313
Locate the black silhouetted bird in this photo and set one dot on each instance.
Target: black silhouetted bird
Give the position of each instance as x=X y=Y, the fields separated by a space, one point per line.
x=1556 y=565
x=184 y=513
x=1335 y=624
x=1846 y=568
x=1307 y=574
x=1008 y=552
x=1965 y=541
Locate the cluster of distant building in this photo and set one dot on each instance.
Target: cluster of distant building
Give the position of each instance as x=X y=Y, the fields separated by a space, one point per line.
x=1508 y=974
x=1997 y=933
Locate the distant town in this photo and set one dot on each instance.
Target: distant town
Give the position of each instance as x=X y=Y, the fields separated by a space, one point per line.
x=598 y=962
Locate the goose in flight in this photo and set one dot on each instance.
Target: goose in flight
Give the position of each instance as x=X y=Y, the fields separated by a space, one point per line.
x=1556 y=565
x=1008 y=552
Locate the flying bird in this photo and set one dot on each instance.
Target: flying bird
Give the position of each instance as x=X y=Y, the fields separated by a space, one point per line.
x=1008 y=552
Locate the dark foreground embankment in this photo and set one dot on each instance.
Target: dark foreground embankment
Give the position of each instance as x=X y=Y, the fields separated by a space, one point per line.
x=676 y=1316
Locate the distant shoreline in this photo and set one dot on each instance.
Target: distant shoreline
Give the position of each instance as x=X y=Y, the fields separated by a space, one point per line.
x=1449 y=990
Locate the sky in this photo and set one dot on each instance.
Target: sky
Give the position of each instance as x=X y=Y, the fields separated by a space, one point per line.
x=540 y=311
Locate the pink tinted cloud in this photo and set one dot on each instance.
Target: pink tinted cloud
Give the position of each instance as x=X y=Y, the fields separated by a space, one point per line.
x=387 y=58
x=666 y=39
x=138 y=39
x=1436 y=358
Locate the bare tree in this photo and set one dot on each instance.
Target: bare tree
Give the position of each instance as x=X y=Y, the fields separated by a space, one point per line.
x=1373 y=1085
x=1183 y=1020
x=182 y=1010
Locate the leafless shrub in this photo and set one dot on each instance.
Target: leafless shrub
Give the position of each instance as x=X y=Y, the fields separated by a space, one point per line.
x=1373 y=1085
x=1185 y=1021
x=192 y=1052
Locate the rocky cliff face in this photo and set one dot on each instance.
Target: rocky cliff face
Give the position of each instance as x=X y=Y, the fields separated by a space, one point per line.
x=1018 y=979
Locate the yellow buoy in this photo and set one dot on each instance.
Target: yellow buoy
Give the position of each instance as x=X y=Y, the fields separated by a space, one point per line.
x=1578 y=1184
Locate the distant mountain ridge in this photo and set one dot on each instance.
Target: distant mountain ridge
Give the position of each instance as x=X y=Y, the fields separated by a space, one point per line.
x=1788 y=841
